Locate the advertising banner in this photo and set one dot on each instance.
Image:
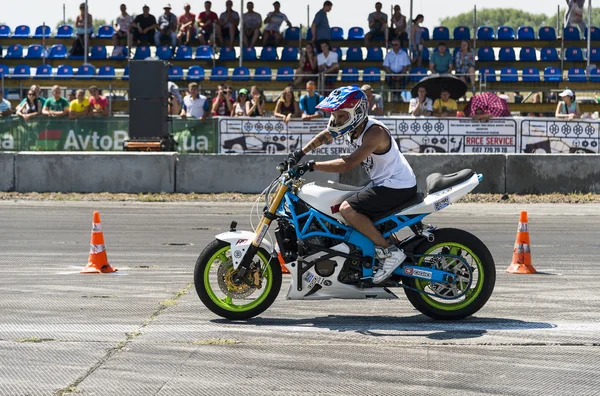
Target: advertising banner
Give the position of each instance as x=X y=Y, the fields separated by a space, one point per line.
x=550 y=135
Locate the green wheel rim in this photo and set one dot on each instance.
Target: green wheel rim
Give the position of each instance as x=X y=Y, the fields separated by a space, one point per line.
x=227 y=303
x=470 y=295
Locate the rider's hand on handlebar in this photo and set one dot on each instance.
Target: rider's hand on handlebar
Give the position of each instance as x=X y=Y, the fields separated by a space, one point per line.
x=295 y=157
x=302 y=168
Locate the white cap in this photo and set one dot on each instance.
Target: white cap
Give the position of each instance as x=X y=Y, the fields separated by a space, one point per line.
x=566 y=92
x=504 y=97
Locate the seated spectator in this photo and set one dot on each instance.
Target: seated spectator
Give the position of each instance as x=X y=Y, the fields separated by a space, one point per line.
x=255 y=107
x=416 y=40
x=465 y=63
x=167 y=27
x=228 y=24
x=78 y=48
x=421 y=105
x=286 y=106
x=239 y=107
x=187 y=30
x=375 y=101
x=395 y=64
x=252 y=25
x=377 y=25
x=222 y=104
x=321 y=32
x=308 y=64
x=518 y=97
x=36 y=88
x=71 y=95
x=398 y=29
x=98 y=103
x=441 y=61
x=5 y=106
x=122 y=27
x=206 y=24
x=327 y=61
x=309 y=102
x=480 y=115
x=56 y=106
x=196 y=105
x=273 y=21
x=445 y=106
x=144 y=27
x=568 y=108
x=80 y=107
x=31 y=106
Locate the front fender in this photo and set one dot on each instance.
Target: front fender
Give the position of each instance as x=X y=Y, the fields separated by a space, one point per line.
x=240 y=241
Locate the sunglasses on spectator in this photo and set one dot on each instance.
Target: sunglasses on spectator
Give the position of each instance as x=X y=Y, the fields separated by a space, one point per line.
x=30 y=94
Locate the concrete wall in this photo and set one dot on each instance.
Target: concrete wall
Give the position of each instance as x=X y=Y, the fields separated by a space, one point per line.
x=7 y=171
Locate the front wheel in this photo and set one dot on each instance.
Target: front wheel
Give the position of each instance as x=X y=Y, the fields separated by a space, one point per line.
x=213 y=278
x=464 y=254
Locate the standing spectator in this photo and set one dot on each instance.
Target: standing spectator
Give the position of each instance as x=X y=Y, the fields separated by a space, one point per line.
x=255 y=107
x=309 y=102
x=196 y=105
x=167 y=27
x=320 y=26
x=396 y=63
x=239 y=107
x=375 y=102
x=273 y=21
x=398 y=29
x=308 y=63
x=252 y=25
x=286 y=106
x=56 y=106
x=80 y=107
x=416 y=40
x=327 y=61
x=568 y=108
x=465 y=63
x=5 y=106
x=144 y=27
x=574 y=14
x=228 y=23
x=421 y=105
x=122 y=26
x=78 y=47
x=71 y=95
x=206 y=24
x=31 y=106
x=222 y=104
x=518 y=97
x=441 y=61
x=36 y=89
x=187 y=30
x=377 y=25
x=98 y=103
x=445 y=106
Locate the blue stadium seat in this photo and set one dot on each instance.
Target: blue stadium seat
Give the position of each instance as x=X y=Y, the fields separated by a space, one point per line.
x=164 y=52
x=594 y=35
x=227 y=53
x=22 y=31
x=595 y=75
x=219 y=73
x=175 y=73
x=530 y=74
x=64 y=72
x=354 y=54
x=249 y=54
x=552 y=74
x=486 y=54
x=507 y=54
x=195 y=73
x=549 y=54
x=142 y=52
x=576 y=74
x=571 y=33
x=419 y=73
x=547 y=33
x=425 y=33
x=595 y=54
x=292 y=33
x=263 y=73
x=125 y=75
x=425 y=54
x=505 y=33
x=64 y=31
x=204 y=52
x=86 y=72
x=34 y=51
x=124 y=54
x=487 y=74
x=268 y=53
x=461 y=33
x=485 y=33
x=4 y=31
x=371 y=74
x=98 y=52
x=106 y=72
x=3 y=70
x=58 y=51
x=356 y=33
x=527 y=54
x=183 y=52
x=241 y=73
x=43 y=71
x=509 y=74
x=525 y=33
x=105 y=32
x=285 y=73
x=21 y=72
x=573 y=54
x=15 y=51
x=374 y=54
x=338 y=51
x=441 y=33
x=337 y=33
x=43 y=31
x=289 y=54
x=349 y=74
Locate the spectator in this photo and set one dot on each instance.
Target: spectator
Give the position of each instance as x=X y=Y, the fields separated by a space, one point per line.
x=375 y=101
x=536 y=99
x=395 y=64
x=308 y=63
x=80 y=107
x=167 y=27
x=31 y=106
x=320 y=26
x=518 y=97
x=228 y=23
x=273 y=21
x=255 y=107
x=144 y=27
x=286 y=106
x=441 y=61
x=5 y=106
x=465 y=63
x=377 y=25
x=421 y=105
x=445 y=106
x=327 y=61
x=206 y=24
x=222 y=104
x=56 y=106
x=36 y=89
x=78 y=47
x=416 y=40
x=309 y=102
x=98 y=103
x=252 y=25
x=398 y=29
x=568 y=108
x=122 y=26
x=187 y=30
x=480 y=115
x=196 y=105
x=574 y=14
x=71 y=96
x=239 y=107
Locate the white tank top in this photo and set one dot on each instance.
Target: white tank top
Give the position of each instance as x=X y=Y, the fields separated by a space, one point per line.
x=389 y=169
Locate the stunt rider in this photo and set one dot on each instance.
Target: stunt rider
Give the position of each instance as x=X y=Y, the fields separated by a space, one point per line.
x=393 y=180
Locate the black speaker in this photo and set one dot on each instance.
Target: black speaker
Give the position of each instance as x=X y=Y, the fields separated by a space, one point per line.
x=148 y=79
x=148 y=118
x=148 y=99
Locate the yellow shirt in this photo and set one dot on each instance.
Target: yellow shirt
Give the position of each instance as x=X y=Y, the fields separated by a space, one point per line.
x=450 y=105
x=78 y=107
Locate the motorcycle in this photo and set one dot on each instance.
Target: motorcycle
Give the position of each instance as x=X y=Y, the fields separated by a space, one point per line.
x=449 y=274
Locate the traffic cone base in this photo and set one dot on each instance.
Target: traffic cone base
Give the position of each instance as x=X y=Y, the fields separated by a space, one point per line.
x=521 y=260
x=97 y=262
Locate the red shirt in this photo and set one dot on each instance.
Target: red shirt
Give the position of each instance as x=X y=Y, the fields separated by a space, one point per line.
x=183 y=19
x=99 y=104
x=222 y=110
x=208 y=18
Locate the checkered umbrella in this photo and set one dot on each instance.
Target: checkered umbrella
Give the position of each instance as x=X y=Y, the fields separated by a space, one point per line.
x=489 y=103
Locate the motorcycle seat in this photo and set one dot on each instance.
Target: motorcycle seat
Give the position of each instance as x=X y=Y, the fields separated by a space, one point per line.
x=414 y=201
x=438 y=182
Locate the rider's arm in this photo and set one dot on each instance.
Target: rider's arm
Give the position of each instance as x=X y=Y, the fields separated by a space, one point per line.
x=321 y=138
x=371 y=141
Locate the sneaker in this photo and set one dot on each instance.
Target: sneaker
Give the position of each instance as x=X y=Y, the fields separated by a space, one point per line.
x=389 y=259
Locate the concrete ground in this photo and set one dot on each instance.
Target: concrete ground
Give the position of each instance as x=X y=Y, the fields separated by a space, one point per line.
x=143 y=330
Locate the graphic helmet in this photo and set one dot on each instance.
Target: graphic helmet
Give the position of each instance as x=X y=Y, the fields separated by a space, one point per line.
x=349 y=99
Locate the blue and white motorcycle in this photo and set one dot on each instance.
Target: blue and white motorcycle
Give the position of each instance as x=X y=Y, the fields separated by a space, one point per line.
x=448 y=273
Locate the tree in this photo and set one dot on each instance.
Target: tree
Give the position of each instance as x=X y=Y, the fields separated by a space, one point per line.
x=96 y=23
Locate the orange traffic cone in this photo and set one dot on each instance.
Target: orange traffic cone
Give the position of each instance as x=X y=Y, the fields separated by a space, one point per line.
x=284 y=269
x=521 y=260
x=98 y=261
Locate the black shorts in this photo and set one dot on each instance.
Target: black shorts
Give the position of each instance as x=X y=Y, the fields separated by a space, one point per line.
x=377 y=201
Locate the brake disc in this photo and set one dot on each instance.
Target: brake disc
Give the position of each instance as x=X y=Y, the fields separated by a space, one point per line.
x=225 y=274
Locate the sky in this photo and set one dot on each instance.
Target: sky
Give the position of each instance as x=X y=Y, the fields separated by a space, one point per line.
x=345 y=13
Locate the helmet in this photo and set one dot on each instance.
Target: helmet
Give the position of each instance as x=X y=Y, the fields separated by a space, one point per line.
x=349 y=99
